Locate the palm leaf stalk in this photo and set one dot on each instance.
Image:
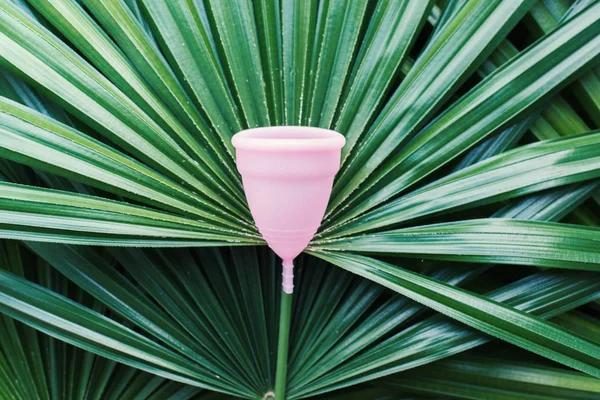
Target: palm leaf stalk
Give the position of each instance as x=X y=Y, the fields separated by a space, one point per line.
x=283 y=344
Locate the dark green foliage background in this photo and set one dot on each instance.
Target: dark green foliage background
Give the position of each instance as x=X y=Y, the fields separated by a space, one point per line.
x=459 y=256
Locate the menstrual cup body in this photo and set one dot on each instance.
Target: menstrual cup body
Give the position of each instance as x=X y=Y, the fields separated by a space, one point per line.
x=287 y=193
x=288 y=172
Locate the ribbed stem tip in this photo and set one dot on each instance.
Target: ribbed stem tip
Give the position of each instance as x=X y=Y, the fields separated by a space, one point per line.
x=288 y=276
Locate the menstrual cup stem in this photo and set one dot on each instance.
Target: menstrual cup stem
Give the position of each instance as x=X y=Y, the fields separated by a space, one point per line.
x=288 y=276
x=285 y=313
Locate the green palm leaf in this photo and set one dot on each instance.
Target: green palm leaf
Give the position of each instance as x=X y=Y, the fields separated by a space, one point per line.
x=464 y=124
x=41 y=142
x=500 y=241
x=514 y=173
x=482 y=377
x=435 y=338
x=62 y=217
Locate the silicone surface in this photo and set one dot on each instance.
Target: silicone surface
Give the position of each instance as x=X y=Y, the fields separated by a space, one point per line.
x=288 y=173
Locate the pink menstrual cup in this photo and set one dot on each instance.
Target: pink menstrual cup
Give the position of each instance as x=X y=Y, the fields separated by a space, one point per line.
x=288 y=172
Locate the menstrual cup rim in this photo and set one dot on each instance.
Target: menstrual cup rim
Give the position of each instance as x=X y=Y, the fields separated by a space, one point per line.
x=288 y=138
